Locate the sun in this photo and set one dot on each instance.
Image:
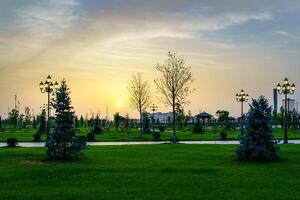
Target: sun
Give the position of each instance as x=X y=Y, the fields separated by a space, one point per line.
x=119 y=104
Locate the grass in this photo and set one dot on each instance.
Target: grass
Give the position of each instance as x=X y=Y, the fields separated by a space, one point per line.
x=26 y=135
x=149 y=172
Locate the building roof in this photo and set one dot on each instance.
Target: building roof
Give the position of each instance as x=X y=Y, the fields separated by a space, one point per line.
x=204 y=115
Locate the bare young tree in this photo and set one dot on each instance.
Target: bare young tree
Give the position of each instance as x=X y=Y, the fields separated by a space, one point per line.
x=174 y=84
x=140 y=95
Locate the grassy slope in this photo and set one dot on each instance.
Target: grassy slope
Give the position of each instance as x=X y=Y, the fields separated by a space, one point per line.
x=27 y=135
x=149 y=172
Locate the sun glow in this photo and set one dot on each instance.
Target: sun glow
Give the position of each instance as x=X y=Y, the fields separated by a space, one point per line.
x=119 y=104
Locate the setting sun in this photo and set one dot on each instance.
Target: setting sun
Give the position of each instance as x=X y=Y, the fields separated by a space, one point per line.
x=119 y=104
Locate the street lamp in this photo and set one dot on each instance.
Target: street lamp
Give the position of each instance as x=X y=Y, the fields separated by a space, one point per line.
x=153 y=109
x=50 y=88
x=242 y=97
x=286 y=89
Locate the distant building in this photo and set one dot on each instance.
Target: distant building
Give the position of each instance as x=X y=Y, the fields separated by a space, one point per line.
x=291 y=104
x=204 y=117
x=163 y=117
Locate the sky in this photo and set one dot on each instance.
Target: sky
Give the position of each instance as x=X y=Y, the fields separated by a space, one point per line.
x=96 y=45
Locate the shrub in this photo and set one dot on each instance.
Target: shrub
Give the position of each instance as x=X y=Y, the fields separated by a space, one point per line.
x=258 y=142
x=37 y=137
x=223 y=134
x=90 y=137
x=161 y=129
x=198 y=128
x=11 y=142
x=156 y=135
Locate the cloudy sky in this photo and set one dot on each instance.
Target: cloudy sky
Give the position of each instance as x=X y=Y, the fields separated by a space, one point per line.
x=97 y=45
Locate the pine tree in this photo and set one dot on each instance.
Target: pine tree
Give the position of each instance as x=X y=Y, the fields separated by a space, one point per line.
x=63 y=144
x=42 y=119
x=258 y=142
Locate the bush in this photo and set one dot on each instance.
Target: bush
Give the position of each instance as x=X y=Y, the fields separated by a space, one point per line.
x=90 y=137
x=258 y=142
x=37 y=137
x=161 y=129
x=11 y=142
x=223 y=134
x=198 y=128
x=156 y=135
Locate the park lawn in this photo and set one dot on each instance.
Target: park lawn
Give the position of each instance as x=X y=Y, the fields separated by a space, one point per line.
x=149 y=172
x=26 y=135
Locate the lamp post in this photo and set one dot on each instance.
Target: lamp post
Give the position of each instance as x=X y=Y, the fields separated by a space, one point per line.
x=286 y=88
x=242 y=97
x=153 y=109
x=50 y=88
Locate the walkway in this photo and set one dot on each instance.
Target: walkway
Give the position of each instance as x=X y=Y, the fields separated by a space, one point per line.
x=42 y=144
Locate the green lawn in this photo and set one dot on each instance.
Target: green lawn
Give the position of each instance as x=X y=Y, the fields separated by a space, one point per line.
x=149 y=172
x=133 y=135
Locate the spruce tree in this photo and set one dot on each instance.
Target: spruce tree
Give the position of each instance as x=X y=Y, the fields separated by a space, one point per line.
x=258 y=142
x=63 y=144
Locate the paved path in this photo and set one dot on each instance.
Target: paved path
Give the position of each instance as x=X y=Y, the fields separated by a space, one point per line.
x=42 y=144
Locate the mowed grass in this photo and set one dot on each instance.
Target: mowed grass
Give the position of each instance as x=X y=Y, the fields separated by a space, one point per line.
x=149 y=172
x=26 y=135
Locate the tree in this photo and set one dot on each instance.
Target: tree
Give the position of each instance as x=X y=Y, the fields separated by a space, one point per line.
x=258 y=142
x=223 y=118
x=34 y=122
x=62 y=143
x=81 y=121
x=42 y=122
x=27 y=116
x=97 y=126
x=117 y=120
x=140 y=95
x=146 y=122
x=13 y=117
x=174 y=84
x=76 y=122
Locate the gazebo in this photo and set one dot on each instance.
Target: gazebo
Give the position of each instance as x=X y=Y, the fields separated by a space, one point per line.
x=204 y=117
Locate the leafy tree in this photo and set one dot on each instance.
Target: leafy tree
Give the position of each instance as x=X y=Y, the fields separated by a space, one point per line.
x=146 y=126
x=42 y=121
x=27 y=116
x=117 y=120
x=258 y=142
x=13 y=117
x=140 y=96
x=97 y=126
x=34 y=122
x=223 y=118
x=63 y=144
x=174 y=84
x=198 y=128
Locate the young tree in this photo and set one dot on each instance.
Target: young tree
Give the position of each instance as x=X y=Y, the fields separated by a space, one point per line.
x=81 y=121
x=42 y=122
x=117 y=120
x=27 y=116
x=174 y=84
x=258 y=143
x=97 y=126
x=13 y=117
x=63 y=144
x=140 y=95
x=34 y=122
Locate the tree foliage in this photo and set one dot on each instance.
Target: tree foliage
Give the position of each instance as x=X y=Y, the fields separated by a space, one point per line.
x=140 y=95
x=63 y=144
x=258 y=142
x=174 y=83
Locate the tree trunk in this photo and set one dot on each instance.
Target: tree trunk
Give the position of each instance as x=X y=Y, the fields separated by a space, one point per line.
x=141 y=123
x=174 y=122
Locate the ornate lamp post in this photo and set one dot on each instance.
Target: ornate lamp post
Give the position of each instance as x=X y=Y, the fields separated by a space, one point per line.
x=286 y=89
x=242 y=97
x=50 y=88
x=153 y=109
